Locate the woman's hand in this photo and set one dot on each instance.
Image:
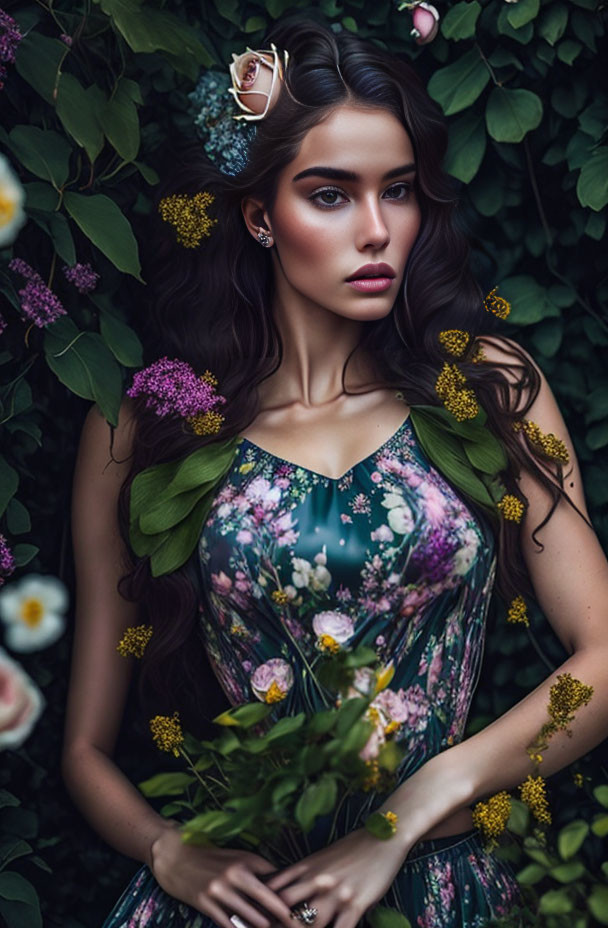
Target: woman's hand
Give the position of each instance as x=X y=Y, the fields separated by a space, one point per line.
x=342 y=880
x=218 y=882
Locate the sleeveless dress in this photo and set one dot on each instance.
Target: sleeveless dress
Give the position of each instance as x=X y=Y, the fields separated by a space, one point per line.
x=387 y=555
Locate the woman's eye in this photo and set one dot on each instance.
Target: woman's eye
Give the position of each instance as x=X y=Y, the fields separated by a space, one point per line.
x=330 y=194
x=398 y=189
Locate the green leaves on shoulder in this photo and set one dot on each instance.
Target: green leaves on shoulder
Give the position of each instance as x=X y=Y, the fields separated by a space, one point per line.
x=467 y=453
x=170 y=502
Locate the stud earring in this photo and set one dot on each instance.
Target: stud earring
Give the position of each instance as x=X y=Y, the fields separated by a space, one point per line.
x=264 y=238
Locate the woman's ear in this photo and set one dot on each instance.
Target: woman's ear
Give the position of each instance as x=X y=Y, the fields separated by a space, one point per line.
x=257 y=219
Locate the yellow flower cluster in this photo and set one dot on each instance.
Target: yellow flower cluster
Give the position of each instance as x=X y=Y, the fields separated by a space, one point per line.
x=478 y=354
x=189 y=216
x=491 y=817
x=207 y=423
x=209 y=378
x=518 y=611
x=134 y=640
x=565 y=697
x=578 y=779
x=455 y=341
x=549 y=443
x=327 y=643
x=533 y=793
x=392 y=818
x=167 y=732
x=457 y=399
x=274 y=693
x=280 y=597
x=512 y=507
x=497 y=304
x=373 y=778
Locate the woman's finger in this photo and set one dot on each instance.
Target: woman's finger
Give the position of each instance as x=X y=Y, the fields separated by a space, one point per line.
x=287 y=876
x=217 y=914
x=263 y=894
x=234 y=902
x=347 y=919
x=302 y=891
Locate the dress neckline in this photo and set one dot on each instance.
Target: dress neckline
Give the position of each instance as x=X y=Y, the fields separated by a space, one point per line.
x=385 y=444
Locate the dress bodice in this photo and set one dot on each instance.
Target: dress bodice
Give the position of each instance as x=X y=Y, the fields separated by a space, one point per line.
x=294 y=563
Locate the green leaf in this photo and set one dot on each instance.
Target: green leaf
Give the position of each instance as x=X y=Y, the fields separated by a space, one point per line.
x=466 y=146
x=285 y=726
x=523 y=12
x=600 y=792
x=317 y=799
x=38 y=60
x=23 y=555
x=571 y=837
x=122 y=341
x=247 y=715
x=510 y=114
x=166 y=784
x=592 y=184
x=17 y=517
x=82 y=361
x=9 y=483
x=43 y=152
x=599 y=826
x=254 y=24
x=531 y=874
x=120 y=121
x=523 y=34
x=529 y=301
x=16 y=888
x=460 y=20
x=79 y=117
x=379 y=827
x=555 y=902
x=458 y=85
x=553 y=22
x=11 y=848
x=598 y=903
x=350 y=24
x=40 y=196
x=597 y=437
x=101 y=220
x=567 y=873
x=568 y=51
x=382 y=916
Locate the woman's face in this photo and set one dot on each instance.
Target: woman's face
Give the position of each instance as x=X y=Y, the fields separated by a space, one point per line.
x=347 y=200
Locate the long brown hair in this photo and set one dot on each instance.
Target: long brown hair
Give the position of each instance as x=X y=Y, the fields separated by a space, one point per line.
x=211 y=307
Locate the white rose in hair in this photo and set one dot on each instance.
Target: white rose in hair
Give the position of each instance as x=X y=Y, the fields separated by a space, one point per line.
x=255 y=81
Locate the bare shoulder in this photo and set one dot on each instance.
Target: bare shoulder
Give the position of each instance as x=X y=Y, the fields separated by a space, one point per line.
x=101 y=442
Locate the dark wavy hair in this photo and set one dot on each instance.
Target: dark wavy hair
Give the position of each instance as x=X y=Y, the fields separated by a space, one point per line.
x=212 y=307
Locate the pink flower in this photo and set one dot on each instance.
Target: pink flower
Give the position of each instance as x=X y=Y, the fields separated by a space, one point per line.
x=38 y=303
x=426 y=23
x=21 y=703
x=272 y=680
x=337 y=625
x=82 y=276
x=221 y=583
x=173 y=388
x=256 y=78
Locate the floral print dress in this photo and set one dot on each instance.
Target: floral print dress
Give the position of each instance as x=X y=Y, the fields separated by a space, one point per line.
x=387 y=555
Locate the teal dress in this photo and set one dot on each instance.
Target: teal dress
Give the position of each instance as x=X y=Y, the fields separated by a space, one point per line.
x=387 y=555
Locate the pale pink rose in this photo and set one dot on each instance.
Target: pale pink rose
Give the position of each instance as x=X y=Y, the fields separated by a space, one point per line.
x=426 y=23
x=274 y=671
x=21 y=703
x=382 y=533
x=371 y=748
x=244 y=536
x=376 y=476
x=392 y=705
x=336 y=624
x=435 y=668
x=434 y=504
x=256 y=81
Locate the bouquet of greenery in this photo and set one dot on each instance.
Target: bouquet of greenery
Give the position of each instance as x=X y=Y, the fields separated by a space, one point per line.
x=262 y=784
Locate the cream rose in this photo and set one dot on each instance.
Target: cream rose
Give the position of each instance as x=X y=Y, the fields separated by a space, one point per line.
x=21 y=703
x=255 y=80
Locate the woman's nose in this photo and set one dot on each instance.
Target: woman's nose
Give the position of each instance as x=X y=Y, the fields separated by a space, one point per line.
x=372 y=228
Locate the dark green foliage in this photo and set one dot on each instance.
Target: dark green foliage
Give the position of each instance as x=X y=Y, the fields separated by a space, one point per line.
x=523 y=86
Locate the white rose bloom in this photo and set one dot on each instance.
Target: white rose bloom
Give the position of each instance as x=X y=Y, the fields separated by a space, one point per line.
x=400 y=519
x=12 y=197
x=33 y=609
x=301 y=571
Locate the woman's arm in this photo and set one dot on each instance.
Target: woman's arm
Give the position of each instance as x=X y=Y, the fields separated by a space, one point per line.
x=570 y=578
x=215 y=881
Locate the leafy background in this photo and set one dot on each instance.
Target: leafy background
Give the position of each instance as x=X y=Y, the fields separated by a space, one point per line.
x=523 y=87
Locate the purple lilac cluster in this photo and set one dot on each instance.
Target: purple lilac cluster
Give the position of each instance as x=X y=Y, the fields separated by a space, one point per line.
x=433 y=555
x=10 y=36
x=38 y=303
x=7 y=559
x=173 y=388
x=82 y=276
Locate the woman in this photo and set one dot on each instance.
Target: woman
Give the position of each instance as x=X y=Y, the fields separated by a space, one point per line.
x=317 y=299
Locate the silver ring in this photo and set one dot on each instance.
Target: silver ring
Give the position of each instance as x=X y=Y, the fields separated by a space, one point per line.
x=238 y=922
x=305 y=913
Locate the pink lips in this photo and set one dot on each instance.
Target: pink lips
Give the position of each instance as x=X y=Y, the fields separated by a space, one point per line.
x=372 y=278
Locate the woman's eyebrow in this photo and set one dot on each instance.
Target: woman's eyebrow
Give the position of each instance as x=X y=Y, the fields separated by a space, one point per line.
x=340 y=174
